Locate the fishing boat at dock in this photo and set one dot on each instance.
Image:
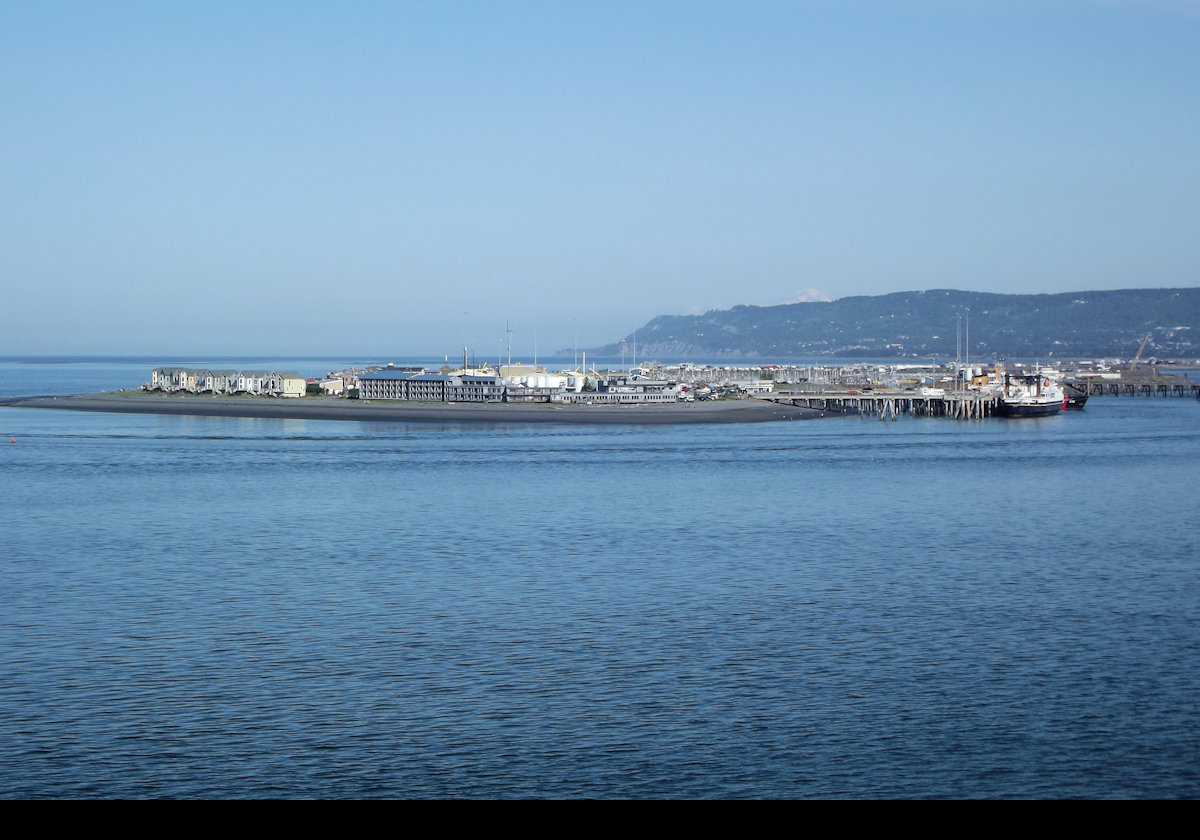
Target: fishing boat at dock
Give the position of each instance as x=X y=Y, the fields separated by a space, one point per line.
x=1076 y=397
x=1034 y=394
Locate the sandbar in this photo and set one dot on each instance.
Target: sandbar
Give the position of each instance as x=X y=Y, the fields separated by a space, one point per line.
x=332 y=408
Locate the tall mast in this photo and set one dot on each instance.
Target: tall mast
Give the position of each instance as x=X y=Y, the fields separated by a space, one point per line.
x=967 y=349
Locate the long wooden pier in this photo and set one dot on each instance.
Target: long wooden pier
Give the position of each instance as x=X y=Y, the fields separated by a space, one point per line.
x=968 y=405
x=1139 y=386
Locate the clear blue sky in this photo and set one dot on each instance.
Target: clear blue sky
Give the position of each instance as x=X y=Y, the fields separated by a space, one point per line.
x=289 y=177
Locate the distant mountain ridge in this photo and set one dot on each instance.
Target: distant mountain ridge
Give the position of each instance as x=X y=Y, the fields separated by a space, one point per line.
x=924 y=324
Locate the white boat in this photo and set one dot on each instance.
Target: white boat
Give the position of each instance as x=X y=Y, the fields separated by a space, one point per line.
x=1034 y=394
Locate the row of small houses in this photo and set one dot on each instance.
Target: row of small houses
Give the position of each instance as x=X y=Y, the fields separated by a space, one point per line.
x=202 y=381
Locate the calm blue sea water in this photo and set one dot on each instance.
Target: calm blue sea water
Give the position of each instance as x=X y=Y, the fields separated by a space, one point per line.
x=207 y=607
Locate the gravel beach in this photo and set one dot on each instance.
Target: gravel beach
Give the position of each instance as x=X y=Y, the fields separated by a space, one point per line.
x=325 y=408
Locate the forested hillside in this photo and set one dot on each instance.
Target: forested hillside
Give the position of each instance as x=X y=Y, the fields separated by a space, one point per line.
x=927 y=324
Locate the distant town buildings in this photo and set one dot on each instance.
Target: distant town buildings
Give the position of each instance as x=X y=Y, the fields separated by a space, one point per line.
x=517 y=383
x=202 y=381
x=651 y=383
x=522 y=383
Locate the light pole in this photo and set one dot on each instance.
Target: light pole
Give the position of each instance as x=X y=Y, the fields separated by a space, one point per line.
x=957 y=349
x=967 y=349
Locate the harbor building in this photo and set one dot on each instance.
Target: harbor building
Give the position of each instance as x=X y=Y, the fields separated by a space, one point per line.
x=622 y=389
x=393 y=383
x=398 y=384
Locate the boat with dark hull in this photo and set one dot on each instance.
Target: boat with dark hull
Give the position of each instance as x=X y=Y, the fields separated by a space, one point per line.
x=1076 y=397
x=1030 y=395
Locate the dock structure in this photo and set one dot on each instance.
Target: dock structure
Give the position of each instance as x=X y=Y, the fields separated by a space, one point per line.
x=1139 y=386
x=960 y=405
x=966 y=405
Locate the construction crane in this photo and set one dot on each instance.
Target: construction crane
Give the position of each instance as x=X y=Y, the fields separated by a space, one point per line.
x=1133 y=365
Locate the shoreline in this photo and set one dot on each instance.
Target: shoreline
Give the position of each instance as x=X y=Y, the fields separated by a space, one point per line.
x=333 y=408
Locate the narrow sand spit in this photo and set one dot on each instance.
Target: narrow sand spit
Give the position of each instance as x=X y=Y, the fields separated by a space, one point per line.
x=319 y=408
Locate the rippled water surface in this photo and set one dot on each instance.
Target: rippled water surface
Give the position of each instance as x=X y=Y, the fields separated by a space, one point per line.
x=838 y=608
